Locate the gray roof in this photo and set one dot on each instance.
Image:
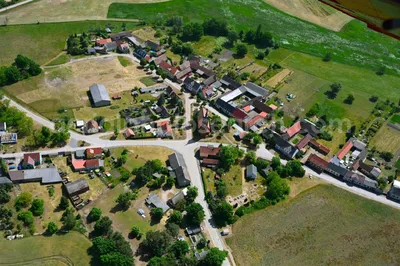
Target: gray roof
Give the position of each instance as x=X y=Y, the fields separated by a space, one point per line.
x=177 y=163
x=155 y=88
x=135 y=40
x=111 y=46
x=256 y=90
x=176 y=160
x=359 y=145
x=251 y=171
x=44 y=175
x=77 y=186
x=202 y=255
x=338 y=169
x=155 y=201
x=177 y=198
x=80 y=153
x=4 y=180
x=99 y=93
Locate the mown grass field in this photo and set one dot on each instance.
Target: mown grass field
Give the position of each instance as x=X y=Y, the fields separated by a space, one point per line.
x=302 y=231
x=395 y=119
x=44 y=41
x=68 y=249
x=355 y=44
x=386 y=139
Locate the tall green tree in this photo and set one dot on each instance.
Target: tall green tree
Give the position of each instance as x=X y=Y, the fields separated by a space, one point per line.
x=195 y=214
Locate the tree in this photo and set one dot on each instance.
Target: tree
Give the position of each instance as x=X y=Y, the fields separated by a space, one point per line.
x=191 y=195
x=387 y=156
x=257 y=140
x=26 y=217
x=215 y=27
x=124 y=200
x=335 y=89
x=195 y=214
x=374 y=98
x=23 y=200
x=161 y=100
x=275 y=162
x=172 y=229
x=221 y=189
x=233 y=36
x=143 y=62
x=277 y=188
x=64 y=203
x=179 y=249
x=241 y=34
x=230 y=123
x=162 y=261
x=296 y=168
x=156 y=214
x=94 y=214
x=37 y=207
x=103 y=226
x=68 y=219
x=250 y=157
x=192 y=32
x=229 y=155
x=175 y=217
x=241 y=50
x=381 y=71
x=12 y=74
x=102 y=245
x=156 y=243
x=223 y=214
x=327 y=57
x=135 y=231
x=46 y=134
x=116 y=259
x=52 y=228
x=214 y=257
x=350 y=98
x=170 y=182
x=4 y=196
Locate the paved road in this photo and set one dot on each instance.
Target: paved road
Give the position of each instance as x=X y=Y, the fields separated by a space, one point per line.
x=15 y=5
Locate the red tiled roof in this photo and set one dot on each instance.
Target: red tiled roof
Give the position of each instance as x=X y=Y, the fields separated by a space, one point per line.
x=31 y=158
x=239 y=114
x=165 y=126
x=247 y=108
x=318 y=161
x=206 y=151
x=95 y=151
x=294 y=129
x=165 y=65
x=103 y=41
x=129 y=132
x=92 y=124
x=346 y=148
x=124 y=45
x=302 y=143
x=273 y=106
x=92 y=162
x=254 y=120
x=242 y=135
x=78 y=164
x=319 y=147
x=211 y=161
x=264 y=114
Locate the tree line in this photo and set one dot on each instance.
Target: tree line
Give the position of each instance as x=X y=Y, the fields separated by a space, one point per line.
x=22 y=68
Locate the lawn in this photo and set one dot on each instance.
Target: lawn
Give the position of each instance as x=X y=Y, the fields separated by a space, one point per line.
x=42 y=42
x=148 y=81
x=60 y=250
x=124 y=61
x=395 y=119
x=62 y=59
x=301 y=231
x=387 y=139
x=207 y=44
x=208 y=180
x=397 y=165
x=348 y=46
x=233 y=180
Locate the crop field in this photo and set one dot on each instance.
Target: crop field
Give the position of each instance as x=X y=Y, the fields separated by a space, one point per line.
x=301 y=231
x=348 y=45
x=66 y=87
x=59 y=250
x=45 y=11
x=387 y=139
x=313 y=11
x=43 y=42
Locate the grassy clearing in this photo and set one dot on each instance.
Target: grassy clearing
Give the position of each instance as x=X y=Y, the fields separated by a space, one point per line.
x=313 y=237
x=233 y=180
x=42 y=42
x=66 y=249
x=208 y=180
x=62 y=59
x=395 y=119
x=387 y=139
x=148 y=81
x=349 y=45
x=397 y=165
x=124 y=61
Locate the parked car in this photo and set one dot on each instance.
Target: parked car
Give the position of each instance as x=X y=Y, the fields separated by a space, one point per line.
x=91 y=175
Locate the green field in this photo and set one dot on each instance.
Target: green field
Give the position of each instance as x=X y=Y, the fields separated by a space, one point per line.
x=44 y=41
x=395 y=119
x=124 y=61
x=62 y=250
x=302 y=231
x=348 y=46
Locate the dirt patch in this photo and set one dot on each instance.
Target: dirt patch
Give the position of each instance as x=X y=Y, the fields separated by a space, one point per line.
x=314 y=12
x=278 y=78
x=146 y=34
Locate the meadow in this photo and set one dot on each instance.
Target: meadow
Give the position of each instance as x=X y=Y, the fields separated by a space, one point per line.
x=354 y=45
x=60 y=250
x=301 y=231
x=386 y=139
x=42 y=42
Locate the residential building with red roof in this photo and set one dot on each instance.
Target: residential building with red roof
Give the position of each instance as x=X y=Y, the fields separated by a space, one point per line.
x=203 y=123
x=317 y=163
x=86 y=165
x=346 y=148
x=94 y=153
x=32 y=159
x=164 y=129
x=293 y=130
x=304 y=142
x=102 y=42
x=273 y=107
x=319 y=147
x=129 y=133
x=239 y=114
x=209 y=152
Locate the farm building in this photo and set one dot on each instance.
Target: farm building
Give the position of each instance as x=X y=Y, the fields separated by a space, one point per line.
x=394 y=192
x=180 y=172
x=77 y=187
x=251 y=172
x=42 y=175
x=155 y=202
x=99 y=95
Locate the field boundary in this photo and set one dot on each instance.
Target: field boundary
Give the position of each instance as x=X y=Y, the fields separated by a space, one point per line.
x=63 y=259
x=14 y=6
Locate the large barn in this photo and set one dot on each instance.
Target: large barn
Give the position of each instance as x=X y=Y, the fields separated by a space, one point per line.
x=99 y=95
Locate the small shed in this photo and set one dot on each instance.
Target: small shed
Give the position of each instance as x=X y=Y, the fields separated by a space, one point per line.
x=77 y=187
x=251 y=172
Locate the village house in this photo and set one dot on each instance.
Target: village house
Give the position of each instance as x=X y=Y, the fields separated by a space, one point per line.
x=102 y=42
x=178 y=197
x=129 y=133
x=123 y=48
x=31 y=160
x=281 y=145
x=209 y=156
x=77 y=187
x=153 y=201
x=91 y=127
x=86 y=165
x=192 y=86
x=179 y=169
x=251 y=172
x=203 y=123
x=92 y=153
x=120 y=35
x=394 y=192
x=164 y=129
